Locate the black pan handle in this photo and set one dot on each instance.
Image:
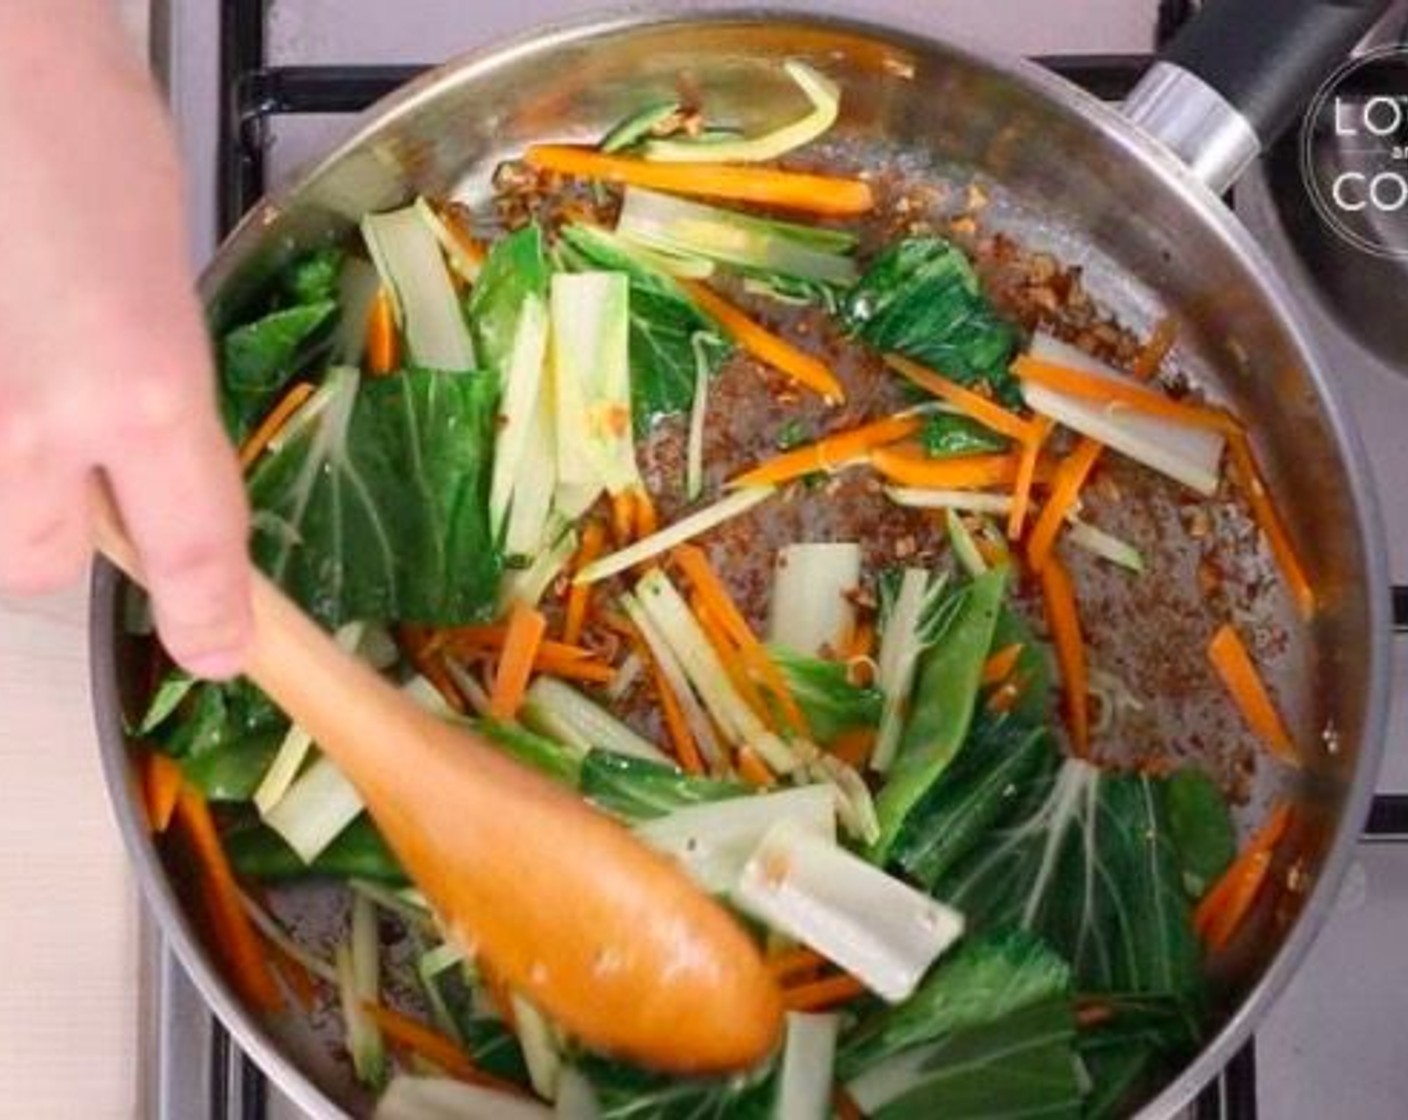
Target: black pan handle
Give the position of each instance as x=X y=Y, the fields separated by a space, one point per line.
x=1238 y=74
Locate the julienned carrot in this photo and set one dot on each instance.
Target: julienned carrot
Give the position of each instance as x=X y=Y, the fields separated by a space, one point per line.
x=787 y=190
x=1070 y=477
x=478 y=638
x=161 y=788
x=984 y=411
x=830 y=453
x=844 y=1104
x=426 y=1042
x=799 y=961
x=623 y=518
x=647 y=519
x=573 y=668
x=861 y=642
x=424 y=649
x=579 y=594
x=1248 y=477
x=302 y=983
x=772 y=349
x=1234 y=665
x=1223 y=909
x=817 y=995
x=999 y=666
x=526 y=627
x=1151 y=356
x=909 y=466
x=233 y=931
x=1026 y=475
x=383 y=346
x=754 y=770
x=676 y=726
x=1064 y=619
x=854 y=747
x=1090 y=386
x=273 y=423
x=733 y=661
x=695 y=565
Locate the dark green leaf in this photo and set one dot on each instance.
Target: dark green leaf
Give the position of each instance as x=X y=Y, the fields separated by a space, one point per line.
x=636 y=789
x=314 y=277
x=359 y=852
x=516 y=268
x=920 y=297
x=629 y=1093
x=945 y=694
x=173 y=689
x=1000 y=761
x=493 y=1047
x=1019 y=1066
x=216 y=715
x=1201 y=825
x=548 y=756
x=948 y=433
x=233 y=771
x=259 y=358
x=377 y=508
x=1088 y=863
x=665 y=326
x=829 y=701
x=1032 y=671
x=1122 y=1054
x=985 y=979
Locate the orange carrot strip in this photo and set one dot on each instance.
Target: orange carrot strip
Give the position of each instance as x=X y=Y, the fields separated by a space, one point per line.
x=734 y=664
x=1227 y=903
x=234 y=932
x=302 y=983
x=789 y=964
x=478 y=638
x=817 y=995
x=830 y=453
x=1064 y=619
x=772 y=349
x=999 y=666
x=572 y=668
x=383 y=347
x=976 y=405
x=526 y=627
x=854 y=747
x=579 y=595
x=424 y=649
x=861 y=643
x=1151 y=356
x=647 y=519
x=1249 y=479
x=1026 y=475
x=909 y=466
x=786 y=190
x=695 y=565
x=471 y=246
x=1234 y=665
x=753 y=769
x=1090 y=386
x=273 y=423
x=428 y=1043
x=1070 y=477
x=623 y=518
x=161 y=788
x=676 y=726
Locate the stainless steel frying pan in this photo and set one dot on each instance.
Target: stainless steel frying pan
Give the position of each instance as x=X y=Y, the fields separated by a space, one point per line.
x=1131 y=198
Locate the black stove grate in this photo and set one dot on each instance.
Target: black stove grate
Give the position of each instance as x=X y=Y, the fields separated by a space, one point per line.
x=253 y=93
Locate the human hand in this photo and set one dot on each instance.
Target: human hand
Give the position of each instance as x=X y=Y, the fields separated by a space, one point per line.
x=106 y=364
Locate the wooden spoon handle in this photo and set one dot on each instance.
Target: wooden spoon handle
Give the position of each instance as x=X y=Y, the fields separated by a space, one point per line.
x=607 y=937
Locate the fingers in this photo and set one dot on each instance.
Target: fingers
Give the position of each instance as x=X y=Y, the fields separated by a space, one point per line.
x=43 y=512
x=179 y=489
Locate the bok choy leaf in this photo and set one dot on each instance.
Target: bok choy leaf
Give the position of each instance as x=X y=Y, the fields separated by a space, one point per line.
x=831 y=704
x=635 y=789
x=376 y=508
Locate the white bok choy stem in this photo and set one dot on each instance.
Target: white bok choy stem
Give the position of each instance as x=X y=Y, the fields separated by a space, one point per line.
x=556 y=709
x=459 y=257
x=735 y=504
x=808 y=1067
x=1104 y=545
x=412 y=268
x=712 y=841
x=813 y=609
x=441 y=1098
x=525 y=462
x=669 y=224
x=963 y=501
x=698 y=414
x=738 y=723
x=1185 y=453
x=678 y=684
x=902 y=640
x=359 y=982
x=315 y=810
x=529 y=585
x=824 y=96
x=882 y=931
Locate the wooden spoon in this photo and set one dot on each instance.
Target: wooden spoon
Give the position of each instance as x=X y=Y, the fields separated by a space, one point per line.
x=607 y=937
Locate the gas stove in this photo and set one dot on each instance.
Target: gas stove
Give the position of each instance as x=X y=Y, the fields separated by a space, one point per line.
x=258 y=87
